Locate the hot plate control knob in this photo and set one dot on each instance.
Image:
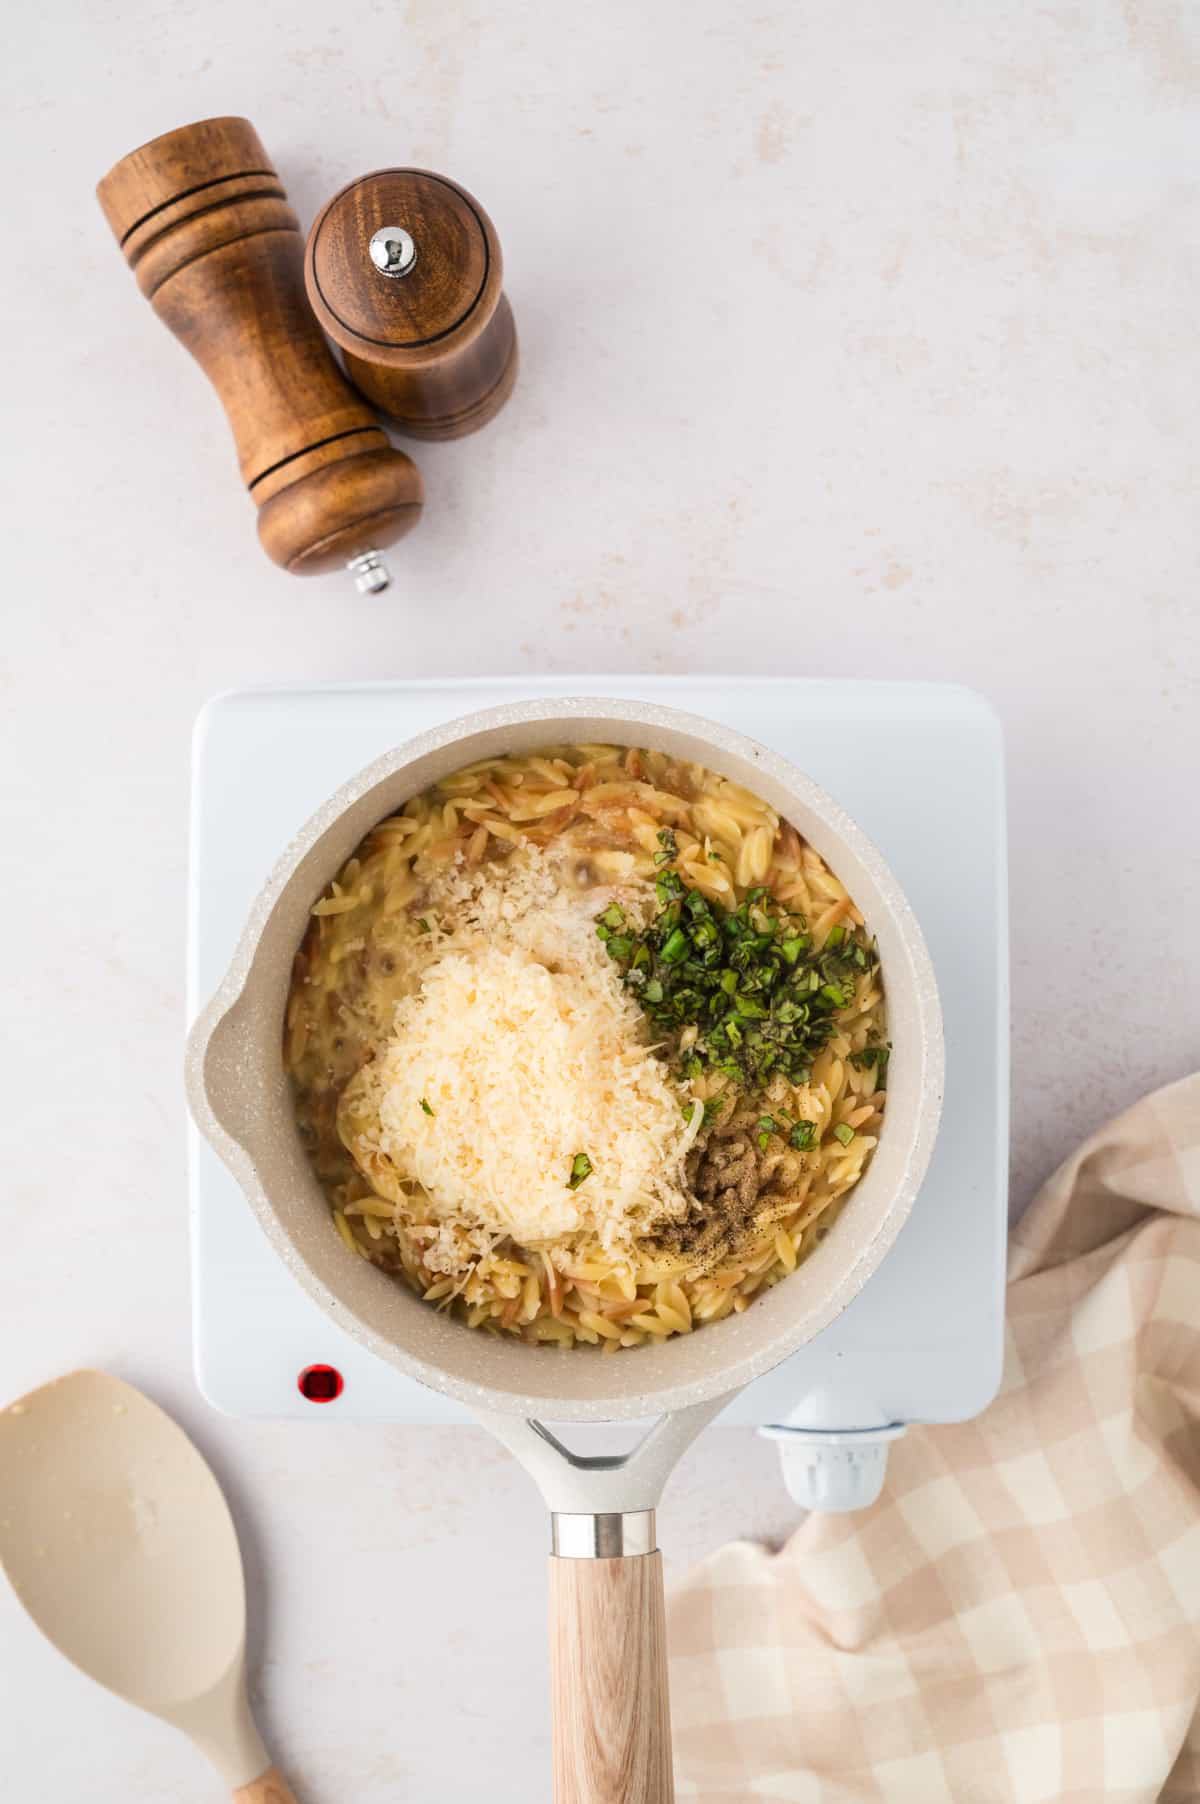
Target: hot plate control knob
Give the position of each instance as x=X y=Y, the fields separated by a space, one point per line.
x=833 y=1469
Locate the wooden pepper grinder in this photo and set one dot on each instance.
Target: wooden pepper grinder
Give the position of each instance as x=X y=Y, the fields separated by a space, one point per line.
x=403 y=270
x=204 y=222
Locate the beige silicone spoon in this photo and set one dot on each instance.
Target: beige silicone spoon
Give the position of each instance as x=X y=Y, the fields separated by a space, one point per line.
x=119 y=1544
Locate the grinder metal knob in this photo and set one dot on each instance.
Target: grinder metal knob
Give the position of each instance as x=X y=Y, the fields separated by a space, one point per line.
x=392 y=251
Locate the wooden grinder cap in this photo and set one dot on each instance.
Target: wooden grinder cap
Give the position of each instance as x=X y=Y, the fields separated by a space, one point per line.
x=203 y=221
x=185 y=171
x=427 y=335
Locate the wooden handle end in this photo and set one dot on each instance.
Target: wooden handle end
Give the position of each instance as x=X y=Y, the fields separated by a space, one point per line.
x=608 y=1680
x=269 y=1788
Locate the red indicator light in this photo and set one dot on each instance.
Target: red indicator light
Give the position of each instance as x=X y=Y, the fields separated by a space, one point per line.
x=320 y=1384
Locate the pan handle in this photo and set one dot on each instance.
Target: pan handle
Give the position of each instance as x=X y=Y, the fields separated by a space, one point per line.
x=610 y=1709
x=608 y=1642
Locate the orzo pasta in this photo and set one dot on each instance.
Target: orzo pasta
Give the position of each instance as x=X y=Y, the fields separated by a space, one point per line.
x=587 y=1046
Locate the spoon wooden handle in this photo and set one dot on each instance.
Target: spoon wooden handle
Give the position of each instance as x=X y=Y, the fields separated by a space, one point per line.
x=269 y=1788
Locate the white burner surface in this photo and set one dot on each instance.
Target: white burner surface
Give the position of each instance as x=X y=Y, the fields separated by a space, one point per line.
x=920 y=766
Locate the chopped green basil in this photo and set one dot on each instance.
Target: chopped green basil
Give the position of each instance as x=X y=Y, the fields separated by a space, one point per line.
x=874 y=1058
x=581 y=1168
x=761 y=998
x=426 y=1107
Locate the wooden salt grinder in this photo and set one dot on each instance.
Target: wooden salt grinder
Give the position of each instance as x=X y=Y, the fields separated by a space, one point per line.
x=204 y=223
x=403 y=270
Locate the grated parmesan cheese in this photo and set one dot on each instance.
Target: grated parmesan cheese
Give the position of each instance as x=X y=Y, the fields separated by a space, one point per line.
x=526 y=1051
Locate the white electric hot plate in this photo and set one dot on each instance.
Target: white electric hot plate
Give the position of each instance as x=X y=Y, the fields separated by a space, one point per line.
x=920 y=766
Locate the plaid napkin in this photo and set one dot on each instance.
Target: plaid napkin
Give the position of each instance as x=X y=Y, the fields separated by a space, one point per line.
x=1018 y=1617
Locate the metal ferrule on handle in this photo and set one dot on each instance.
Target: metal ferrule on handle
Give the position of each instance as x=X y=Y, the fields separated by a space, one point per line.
x=612 y=1535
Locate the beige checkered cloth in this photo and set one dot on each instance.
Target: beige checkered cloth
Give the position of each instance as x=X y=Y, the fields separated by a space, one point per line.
x=1018 y=1617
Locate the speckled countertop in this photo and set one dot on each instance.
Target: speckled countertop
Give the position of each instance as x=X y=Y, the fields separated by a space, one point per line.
x=856 y=339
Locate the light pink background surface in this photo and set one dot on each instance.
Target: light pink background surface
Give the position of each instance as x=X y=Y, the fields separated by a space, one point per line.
x=856 y=340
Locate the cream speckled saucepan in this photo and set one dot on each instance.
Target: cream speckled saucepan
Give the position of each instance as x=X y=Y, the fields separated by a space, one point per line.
x=610 y=1708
